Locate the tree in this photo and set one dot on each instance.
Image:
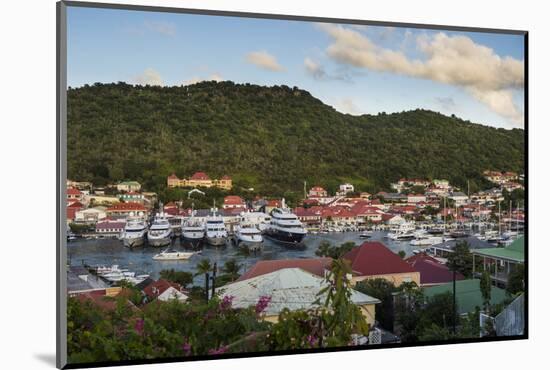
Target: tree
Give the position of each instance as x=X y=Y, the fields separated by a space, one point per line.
x=204 y=266
x=325 y=249
x=485 y=286
x=232 y=268
x=408 y=312
x=516 y=280
x=383 y=290
x=183 y=278
x=461 y=259
x=402 y=254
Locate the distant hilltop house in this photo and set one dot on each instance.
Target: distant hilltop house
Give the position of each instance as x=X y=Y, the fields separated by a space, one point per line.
x=128 y=186
x=317 y=192
x=345 y=189
x=199 y=179
x=500 y=177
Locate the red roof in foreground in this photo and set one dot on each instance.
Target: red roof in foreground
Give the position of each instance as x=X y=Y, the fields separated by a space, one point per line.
x=374 y=258
x=315 y=266
x=431 y=270
x=158 y=287
x=200 y=176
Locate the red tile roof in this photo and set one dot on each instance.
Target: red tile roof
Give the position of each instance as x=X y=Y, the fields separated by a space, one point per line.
x=124 y=207
x=431 y=270
x=233 y=200
x=200 y=176
x=73 y=191
x=315 y=266
x=273 y=203
x=75 y=204
x=173 y=177
x=374 y=258
x=158 y=287
x=225 y=177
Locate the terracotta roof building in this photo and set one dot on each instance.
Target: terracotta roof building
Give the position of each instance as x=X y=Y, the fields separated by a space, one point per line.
x=432 y=272
x=374 y=260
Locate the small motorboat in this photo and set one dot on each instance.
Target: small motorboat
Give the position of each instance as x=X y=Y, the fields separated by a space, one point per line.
x=171 y=255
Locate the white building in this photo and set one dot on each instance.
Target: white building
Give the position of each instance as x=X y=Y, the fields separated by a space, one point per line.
x=346 y=188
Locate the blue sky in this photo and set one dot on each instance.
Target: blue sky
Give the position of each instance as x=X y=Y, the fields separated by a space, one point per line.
x=356 y=69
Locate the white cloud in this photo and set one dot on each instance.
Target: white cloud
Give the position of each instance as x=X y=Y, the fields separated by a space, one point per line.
x=164 y=28
x=264 y=60
x=347 y=105
x=314 y=69
x=453 y=60
x=148 y=77
x=196 y=79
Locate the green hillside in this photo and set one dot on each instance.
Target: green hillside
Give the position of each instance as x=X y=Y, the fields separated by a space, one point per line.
x=270 y=138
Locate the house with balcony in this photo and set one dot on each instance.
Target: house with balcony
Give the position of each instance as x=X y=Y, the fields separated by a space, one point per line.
x=500 y=262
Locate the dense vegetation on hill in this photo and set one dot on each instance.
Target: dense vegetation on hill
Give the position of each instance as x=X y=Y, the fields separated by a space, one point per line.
x=270 y=138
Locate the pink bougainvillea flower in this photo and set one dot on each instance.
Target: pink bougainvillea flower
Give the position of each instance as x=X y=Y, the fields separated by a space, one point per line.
x=139 y=326
x=218 y=351
x=262 y=304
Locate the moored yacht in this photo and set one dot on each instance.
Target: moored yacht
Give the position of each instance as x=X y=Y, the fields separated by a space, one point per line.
x=134 y=232
x=285 y=226
x=215 y=231
x=427 y=240
x=193 y=230
x=160 y=232
x=404 y=231
x=249 y=236
x=172 y=255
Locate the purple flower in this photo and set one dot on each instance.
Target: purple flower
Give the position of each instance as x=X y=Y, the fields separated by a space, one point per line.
x=226 y=302
x=262 y=304
x=311 y=340
x=218 y=351
x=186 y=347
x=139 y=326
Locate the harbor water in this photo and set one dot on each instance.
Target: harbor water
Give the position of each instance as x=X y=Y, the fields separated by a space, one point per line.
x=107 y=252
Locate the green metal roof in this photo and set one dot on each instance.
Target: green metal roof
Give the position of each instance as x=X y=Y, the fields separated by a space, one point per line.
x=514 y=252
x=468 y=294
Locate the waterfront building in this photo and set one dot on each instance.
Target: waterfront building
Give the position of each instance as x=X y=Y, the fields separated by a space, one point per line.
x=122 y=210
x=199 y=179
x=90 y=215
x=459 y=198
x=73 y=207
x=110 y=227
x=234 y=201
x=128 y=186
x=374 y=260
x=290 y=288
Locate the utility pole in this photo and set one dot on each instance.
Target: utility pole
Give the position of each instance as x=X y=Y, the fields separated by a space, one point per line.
x=454 y=299
x=215 y=268
x=206 y=288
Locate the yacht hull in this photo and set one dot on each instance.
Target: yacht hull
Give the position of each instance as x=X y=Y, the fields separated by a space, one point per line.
x=159 y=242
x=134 y=242
x=215 y=240
x=285 y=237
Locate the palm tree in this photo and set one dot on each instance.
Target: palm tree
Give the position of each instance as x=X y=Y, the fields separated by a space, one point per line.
x=231 y=267
x=204 y=266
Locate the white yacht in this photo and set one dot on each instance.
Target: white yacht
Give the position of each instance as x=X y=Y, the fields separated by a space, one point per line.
x=134 y=232
x=193 y=230
x=404 y=231
x=427 y=240
x=172 y=255
x=215 y=231
x=259 y=220
x=160 y=232
x=249 y=236
x=285 y=226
